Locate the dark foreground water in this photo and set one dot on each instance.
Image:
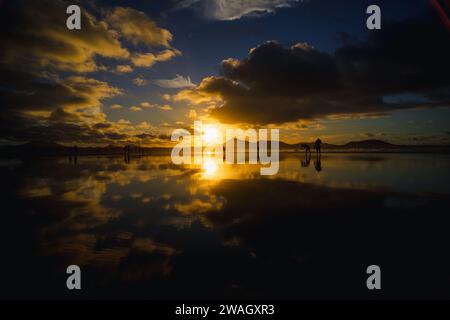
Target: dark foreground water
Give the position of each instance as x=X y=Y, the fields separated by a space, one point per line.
x=149 y=229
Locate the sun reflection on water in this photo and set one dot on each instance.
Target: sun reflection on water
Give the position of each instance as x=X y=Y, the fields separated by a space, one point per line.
x=210 y=167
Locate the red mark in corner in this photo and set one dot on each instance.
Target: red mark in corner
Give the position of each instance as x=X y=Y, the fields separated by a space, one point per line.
x=441 y=11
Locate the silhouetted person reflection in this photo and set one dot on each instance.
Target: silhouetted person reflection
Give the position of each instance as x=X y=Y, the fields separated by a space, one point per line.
x=318 y=146
x=305 y=163
x=318 y=163
x=126 y=153
x=73 y=157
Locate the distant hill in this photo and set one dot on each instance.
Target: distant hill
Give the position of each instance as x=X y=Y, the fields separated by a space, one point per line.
x=354 y=145
x=34 y=148
x=35 y=144
x=51 y=148
x=370 y=144
x=43 y=148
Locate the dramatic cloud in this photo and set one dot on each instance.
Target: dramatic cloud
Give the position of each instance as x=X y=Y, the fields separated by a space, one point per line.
x=235 y=9
x=137 y=28
x=35 y=38
x=389 y=71
x=35 y=35
x=43 y=94
x=178 y=82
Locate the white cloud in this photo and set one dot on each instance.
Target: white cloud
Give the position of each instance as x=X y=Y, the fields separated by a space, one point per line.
x=235 y=9
x=178 y=82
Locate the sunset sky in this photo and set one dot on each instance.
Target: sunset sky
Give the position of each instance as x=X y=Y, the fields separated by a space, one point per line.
x=139 y=69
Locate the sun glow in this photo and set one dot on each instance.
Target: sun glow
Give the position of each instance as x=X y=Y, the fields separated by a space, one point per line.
x=212 y=135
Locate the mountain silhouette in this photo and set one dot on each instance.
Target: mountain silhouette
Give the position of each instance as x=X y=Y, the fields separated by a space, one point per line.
x=38 y=144
x=370 y=144
x=37 y=147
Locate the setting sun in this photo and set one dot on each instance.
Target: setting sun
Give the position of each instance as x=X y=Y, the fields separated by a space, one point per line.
x=212 y=135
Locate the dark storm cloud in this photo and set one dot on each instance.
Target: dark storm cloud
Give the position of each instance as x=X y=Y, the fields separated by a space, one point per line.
x=297 y=71
x=404 y=65
x=408 y=56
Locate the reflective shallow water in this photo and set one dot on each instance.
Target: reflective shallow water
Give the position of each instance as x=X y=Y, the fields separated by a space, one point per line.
x=146 y=228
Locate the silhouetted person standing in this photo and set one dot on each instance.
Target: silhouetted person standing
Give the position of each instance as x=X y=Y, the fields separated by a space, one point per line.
x=318 y=146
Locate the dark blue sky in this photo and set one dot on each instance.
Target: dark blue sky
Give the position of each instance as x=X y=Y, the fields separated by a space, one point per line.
x=205 y=42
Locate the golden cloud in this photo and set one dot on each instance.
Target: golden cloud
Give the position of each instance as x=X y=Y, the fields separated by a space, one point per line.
x=124 y=68
x=166 y=107
x=47 y=41
x=137 y=28
x=149 y=59
x=135 y=109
